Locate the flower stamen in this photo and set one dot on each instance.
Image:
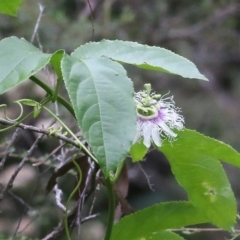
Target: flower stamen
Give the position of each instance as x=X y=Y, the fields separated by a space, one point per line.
x=156 y=117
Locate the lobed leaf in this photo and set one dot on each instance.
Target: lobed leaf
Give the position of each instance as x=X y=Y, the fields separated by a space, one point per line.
x=10 y=7
x=194 y=162
x=19 y=59
x=143 y=224
x=142 y=56
x=102 y=98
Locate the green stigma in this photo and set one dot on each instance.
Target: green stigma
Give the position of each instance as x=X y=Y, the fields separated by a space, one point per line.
x=147 y=105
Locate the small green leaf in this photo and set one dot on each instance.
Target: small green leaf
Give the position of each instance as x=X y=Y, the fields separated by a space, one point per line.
x=143 y=56
x=193 y=158
x=28 y=102
x=10 y=7
x=138 y=151
x=56 y=62
x=36 y=110
x=102 y=98
x=18 y=61
x=159 y=217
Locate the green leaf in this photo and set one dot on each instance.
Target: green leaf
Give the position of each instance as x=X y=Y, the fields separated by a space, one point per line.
x=164 y=235
x=18 y=61
x=56 y=62
x=28 y=102
x=210 y=146
x=138 y=151
x=102 y=98
x=193 y=158
x=10 y=7
x=143 y=56
x=142 y=224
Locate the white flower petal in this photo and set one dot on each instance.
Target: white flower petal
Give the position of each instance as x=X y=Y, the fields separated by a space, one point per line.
x=147 y=137
x=155 y=128
x=137 y=136
x=166 y=129
x=156 y=137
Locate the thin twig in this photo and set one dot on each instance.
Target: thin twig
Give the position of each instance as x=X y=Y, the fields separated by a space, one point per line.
x=41 y=130
x=7 y=152
x=41 y=9
x=39 y=43
x=33 y=190
x=28 y=224
x=92 y=19
x=95 y=193
x=59 y=230
x=83 y=194
x=49 y=156
x=20 y=166
x=147 y=177
x=20 y=200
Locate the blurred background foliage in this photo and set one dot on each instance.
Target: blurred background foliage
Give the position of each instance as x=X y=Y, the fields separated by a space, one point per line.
x=206 y=32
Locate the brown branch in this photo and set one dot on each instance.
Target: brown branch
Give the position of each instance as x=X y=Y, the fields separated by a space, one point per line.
x=20 y=166
x=59 y=231
x=40 y=130
x=20 y=200
x=7 y=152
x=83 y=194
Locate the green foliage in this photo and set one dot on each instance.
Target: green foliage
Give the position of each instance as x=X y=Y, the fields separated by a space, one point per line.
x=56 y=62
x=102 y=97
x=194 y=162
x=138 y=151
x=142 y=56
x=157 y=218
x=102 y=100
x=109 y=91
x=10 y=7
x=204 y=145
x=18 y=61
x=165 y=235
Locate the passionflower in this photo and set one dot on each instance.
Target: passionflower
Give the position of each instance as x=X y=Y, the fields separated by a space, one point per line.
x=157 y=117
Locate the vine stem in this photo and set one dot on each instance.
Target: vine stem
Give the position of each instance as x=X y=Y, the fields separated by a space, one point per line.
x=76 y=165
x=69 y=199
x=118 y=172
x=111 y=210
x=51 y=92
x=19 y=120
x=82 y=146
